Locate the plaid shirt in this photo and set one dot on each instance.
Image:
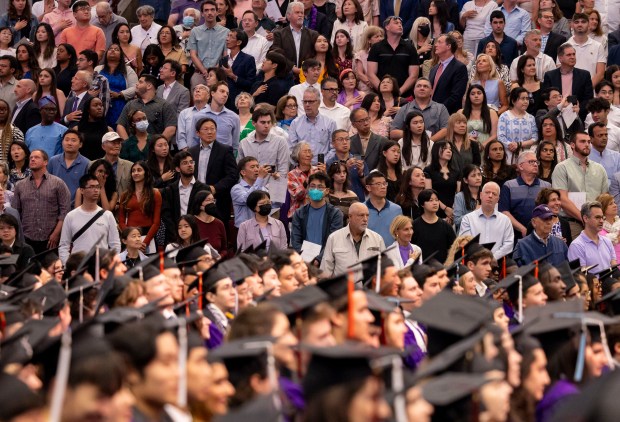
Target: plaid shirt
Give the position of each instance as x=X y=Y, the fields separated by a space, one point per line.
x=41 y=208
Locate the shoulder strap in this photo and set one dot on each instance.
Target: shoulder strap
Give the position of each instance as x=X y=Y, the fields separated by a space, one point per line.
x=87 y=225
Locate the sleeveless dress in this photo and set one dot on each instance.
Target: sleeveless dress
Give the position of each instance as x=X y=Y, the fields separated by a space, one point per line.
x=478 y=126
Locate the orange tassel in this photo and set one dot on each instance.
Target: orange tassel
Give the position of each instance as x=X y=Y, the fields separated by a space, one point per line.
x=504 y=268
x=351 y=308
x=463 y=255
x=200 y=291
x=161 y=261
x=536 y=270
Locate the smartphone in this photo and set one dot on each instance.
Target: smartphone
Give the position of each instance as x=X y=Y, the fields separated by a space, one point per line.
x=363 y=157
x=321 y=158
x=572 y=99
x=272 y=168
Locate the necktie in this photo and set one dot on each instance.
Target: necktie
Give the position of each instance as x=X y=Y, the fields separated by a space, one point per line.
x=437 y=76
x=76 y=101
x=397 y=4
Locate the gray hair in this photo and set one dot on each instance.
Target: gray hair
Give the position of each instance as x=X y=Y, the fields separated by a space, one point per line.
x=241 y=94
x=87 y=76
x=532 y=32
x=523 y=156
x=297 y=149
x=104 y=6
x=293 y=5
x=145 y=10
x=313 y=90
x=193 y=11
x=586 y=209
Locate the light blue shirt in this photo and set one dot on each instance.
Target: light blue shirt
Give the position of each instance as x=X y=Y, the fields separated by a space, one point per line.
x=318 y=134
x=239 y=194
x=209 y=43
x=47 y=138
x=589 y=253
x=71 y=176
x=297 y=41
x=228 y=126
x=203 y=161
x=609 y=159
x=518 y=22
x=186 y=126
x=495 y=228
x=379 y=220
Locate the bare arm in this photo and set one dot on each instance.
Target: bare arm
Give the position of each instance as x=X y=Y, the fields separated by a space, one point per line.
x=371 y=72
x=410 y=81
x=120 y=129
x=169 y=132
x=600 y=73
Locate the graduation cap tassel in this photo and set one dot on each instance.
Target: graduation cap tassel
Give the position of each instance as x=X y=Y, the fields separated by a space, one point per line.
x=520 y=304
x=503 y=268
x=161 y=261
x=463 y=255
x=608 y=356
x=398 y=386
x=581 y=355
x=200 y=291
x=350 y=314
x=236 y=301
x=182 y=391
x=81 y=311
x=536 y=270
x=62 y=376
x=97 y=278
x=378 y=278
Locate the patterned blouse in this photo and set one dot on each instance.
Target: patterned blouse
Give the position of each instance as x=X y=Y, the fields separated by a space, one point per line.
x=511 y=128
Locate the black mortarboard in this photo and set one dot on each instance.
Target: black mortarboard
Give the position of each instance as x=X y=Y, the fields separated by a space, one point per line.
x=209 y=279
x=19 y=347
x=300 y=300
x=39 y=259
x=379 y=303
x=369 y=267
x=471 y=247
x=19 y=398
x=429 y=257
x=335 y=287
x=117 y=286
x=261 y=408
x=510 y=282
x=567 y=275
x=452 y=387
x=8 y=262
x=90 y=259
x=343 y=364
x=236 y=270
x=244 y=348
x=24 y=278
x=193 y=251
x=449 y=318
x=608 y=278
x=609 y=303
x=145 y=269
x=51 y=296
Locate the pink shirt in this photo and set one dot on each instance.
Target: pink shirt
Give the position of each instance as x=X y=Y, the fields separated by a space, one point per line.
x=87 y=38
x=55 y=17
x=567 y=84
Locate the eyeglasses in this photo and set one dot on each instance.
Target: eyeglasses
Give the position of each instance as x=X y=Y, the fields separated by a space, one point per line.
x=309 y=101
x=208 y=129
x=533 y=162
x=347 y=139
x=330 y=89
x=365 y=120
x=379 y=184
x=187 y=163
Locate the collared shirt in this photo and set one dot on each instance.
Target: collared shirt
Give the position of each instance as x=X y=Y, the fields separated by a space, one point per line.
x=589 y=54
x=257 y=47
x=47 y=138
x=41 y=207
x=571 y=177
x=613 y=136
x=589 y=253
x=7 y=92
x=435 y=116
x=297 y=41
x=203 y=161
x=544 y=64
x=70 y=175
x=109 y=28
x=160 y=114
x=18 y=107
x=240 y=193
x=273 y=150
x=518 y=22
x=209 y=43
x=379 y=220
x=184 y=193
x=186 y=129
x=519 y=198
x=340 y=250
x=298 y=92
x=167 y=89
x=55 y=17
x=143 y=37
x=609 y=159
x=318 y=134
x=228 y=126
x=481 y=289
x=495 y=228
x=511 y=128
x=543 y=41
x=338 y=113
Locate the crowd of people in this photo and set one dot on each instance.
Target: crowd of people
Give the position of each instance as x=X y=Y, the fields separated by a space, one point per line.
x=350 y=210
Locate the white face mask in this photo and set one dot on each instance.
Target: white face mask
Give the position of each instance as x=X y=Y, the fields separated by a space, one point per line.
x=142 y=125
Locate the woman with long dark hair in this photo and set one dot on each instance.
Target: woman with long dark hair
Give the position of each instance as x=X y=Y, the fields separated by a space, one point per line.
x=389 y=94
x=527 y=79
x=160 y=161
x=343 y=50
x=494 y=165
x=132 y=55
x=170 y=48
x=47 y=86
x=547 y=160
x=29 y=65
x=516 y=128
x=8 y=132
x=415 y=144
x=19 y=160
x=351 y=20
x=140 y=205
x=136 y=147
x=20 y=19
x=44 y=45
x=187 y=233
x=439 y=14
x=444 y=176
x=339 y=193
x=481 y=119
x=551 y=131
x=66 y=67
x=412 y=183
x=153 y=61
x=534 y=380
x=92 y=126
x=324 y=54
x=121 y=78
x=468 y=199
x=209 y=225
x=103 y=171
x=379 y=123
x=390 y=166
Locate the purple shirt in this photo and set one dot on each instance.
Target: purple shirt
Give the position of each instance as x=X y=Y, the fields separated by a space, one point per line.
x=589 y=253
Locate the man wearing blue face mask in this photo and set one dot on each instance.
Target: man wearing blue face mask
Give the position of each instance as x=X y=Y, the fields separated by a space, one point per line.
x=315 y=221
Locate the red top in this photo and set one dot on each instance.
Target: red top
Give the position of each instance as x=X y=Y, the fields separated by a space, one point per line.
x=136 y=218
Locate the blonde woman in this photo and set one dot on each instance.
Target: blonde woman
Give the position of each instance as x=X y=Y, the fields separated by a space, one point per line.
x=486 y=75
x=467 y=149
x=420 y=36
x=458 y=244
x=404 y=253
x=372 y=35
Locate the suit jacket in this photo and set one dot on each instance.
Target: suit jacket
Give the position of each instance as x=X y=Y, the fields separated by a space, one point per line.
x=451 y=85
x=28 y=116
x=244 y=68
x=171 y=206
x=69 y=108
x=221 y=173
x=582 y=87
x=613 y=38
x=408 y=12
x=283 y=38
x=123 y=175
x=323 y=25
x=178 y=97
x=372 y=150
x=553 y=42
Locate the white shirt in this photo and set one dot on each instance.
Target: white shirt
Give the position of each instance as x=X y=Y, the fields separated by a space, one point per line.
x=613 y=136
x=298 y=92
x=142 y=38
x=167 y=89
x=613 y=117
x=338 y=113
x=589 y=55
x=475 y=26
x=184 y=193
x=544 y=64
x=257 y=47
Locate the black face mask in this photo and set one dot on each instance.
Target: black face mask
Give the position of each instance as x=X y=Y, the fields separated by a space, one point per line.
x=264 y=210
x=211 y=209
x=424 y=30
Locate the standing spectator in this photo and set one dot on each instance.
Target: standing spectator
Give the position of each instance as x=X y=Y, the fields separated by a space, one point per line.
x=481 y=119
x=108 y=195
x=172 y=91
x=406 y=253
x=495 y=166
x=92 y=126
x=169 y=45
x=313 y=127
x=430 y=232
x=393 y=56
x=518 y=21
x=66 y=67
x=160 y=161
x=186 y=130
x=209 y=225
x=19 y=159
x=547 y=160
x=554 y=105
x=284 y=38
x=570 y=79
x=351 y=19
x=225 y=15
x=262 y=227
x=257 y=45
x=599 y=109
x=533 y=48
x=607 y=91
x=161 y=115
x=438 y=14
x=449 y=77
x=74 y=106
x=365 y=142
x=20 y=20
x=100 y=223
x=136 y=147
x=372 y=35
x=473 y=17
x=611 y=222
x=379 y=123
x=550 y=39
x=83 y=35
x=518 y=196
x=508 y=46
x=578 y=174
x=516 y=129
x=228 y=121
x=311 y=71
x=206 y=43
x=9 y=134
x=318 y=219
x=343 y=50
x=356 y=166
x=146 y=32
x=8 y=69
x=70 y=165
x=240 y=68
x=381 y=210
x=26 y=114
x=140 y=206
x=466 y=146
x=132 y=54
x=253 y=177
x=216 y=165
x=489 y=223
x=100 y=88
x=601 y=152
x=415 y=144
x=412 y=183
x=47 y=135
x=443 y=175
x=590 y=246
x=106 y=20
x=561 y=227
x=591 y=56
x=390 y=166
x=29 y=65
x=331 y=108
x=111 y=145
x=43 y=201
x=315 y=20
x=527 y=79
x=60 y=18
x=339 y=193
x=274 y=84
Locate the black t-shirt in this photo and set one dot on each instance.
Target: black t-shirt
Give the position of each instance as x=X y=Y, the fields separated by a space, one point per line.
x=433 y=237
x=394 y=62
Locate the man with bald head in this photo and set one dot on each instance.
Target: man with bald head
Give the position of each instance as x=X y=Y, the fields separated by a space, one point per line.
x=489 y=223
x=352 y=243
x=26 y=113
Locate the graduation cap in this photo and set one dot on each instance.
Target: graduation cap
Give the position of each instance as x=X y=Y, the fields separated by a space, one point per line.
x=471 y=247
x=91 y=259
x=19 y=347
x=449 y=318
x=39 y=259
x=452 y=387
x=517 y=283
x=335 y=287
x=51 y=296
x=300 y=300
x=24 y=278
x=261 y=408
x=20 y=398
x=7 y=265
x=608 y=278
x=504 y=263
x=192 y=252
x=374 y=266
x=567 y=275
x=236 y=270
x=609 y=303
x=145 y=269
x=379 y=303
